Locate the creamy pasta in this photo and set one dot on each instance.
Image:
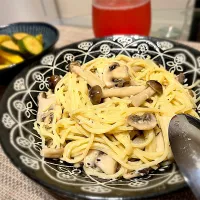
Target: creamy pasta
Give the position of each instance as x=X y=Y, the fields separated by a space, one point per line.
x=111 y=116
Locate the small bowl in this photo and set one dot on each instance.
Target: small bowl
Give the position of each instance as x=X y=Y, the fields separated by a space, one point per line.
x=50 y=37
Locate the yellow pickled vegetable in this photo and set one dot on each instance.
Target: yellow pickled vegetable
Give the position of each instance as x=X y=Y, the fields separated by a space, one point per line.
x=13 y=58
x=4 y=38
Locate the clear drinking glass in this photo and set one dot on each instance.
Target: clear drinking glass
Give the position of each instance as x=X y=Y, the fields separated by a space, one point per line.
x=173 y=21
x=121 y=17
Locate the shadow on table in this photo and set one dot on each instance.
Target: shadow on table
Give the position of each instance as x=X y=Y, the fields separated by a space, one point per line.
x=183 y=194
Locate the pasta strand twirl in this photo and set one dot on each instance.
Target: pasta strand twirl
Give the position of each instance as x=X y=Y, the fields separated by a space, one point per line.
x=100 y=137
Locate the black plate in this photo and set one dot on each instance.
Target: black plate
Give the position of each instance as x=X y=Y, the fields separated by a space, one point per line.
x=50 y=37
x=19 y=107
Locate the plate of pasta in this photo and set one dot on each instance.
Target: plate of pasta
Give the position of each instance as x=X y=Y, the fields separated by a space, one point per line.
x=91 y=119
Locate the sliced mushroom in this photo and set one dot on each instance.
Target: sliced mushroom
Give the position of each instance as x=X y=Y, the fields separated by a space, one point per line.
x=153 y=87
x=106 y=164
x=52 y=153
x=113 y=66
x=89 y=160
x=146 y=121
x=139 y=140
x=137 y=173
x=115 y=75
x=137 y=68
x=95 y=94
x=130 y=175
x=180 y=78
x=156 y=86
x=47 y=107
x=133 y=133
x=78 y=165
x=44 y=102
x=47 y=118
x=123 y=92
x=91 y=78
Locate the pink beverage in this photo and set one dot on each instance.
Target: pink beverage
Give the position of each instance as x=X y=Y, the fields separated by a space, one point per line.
x=121 y=17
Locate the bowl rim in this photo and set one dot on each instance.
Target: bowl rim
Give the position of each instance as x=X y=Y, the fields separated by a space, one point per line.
x=68 y=193
x=36 y=56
